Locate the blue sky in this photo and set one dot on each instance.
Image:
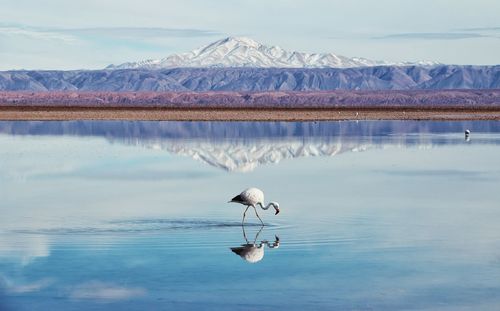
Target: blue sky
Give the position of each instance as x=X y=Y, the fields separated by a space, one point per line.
x=62 y=34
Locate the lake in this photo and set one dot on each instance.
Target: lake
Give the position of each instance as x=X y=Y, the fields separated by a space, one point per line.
x=375 y=215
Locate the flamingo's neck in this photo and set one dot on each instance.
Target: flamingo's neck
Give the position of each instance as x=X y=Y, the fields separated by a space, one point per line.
x=265 y=207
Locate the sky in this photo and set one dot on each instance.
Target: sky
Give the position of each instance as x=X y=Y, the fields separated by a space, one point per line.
x=91 y=34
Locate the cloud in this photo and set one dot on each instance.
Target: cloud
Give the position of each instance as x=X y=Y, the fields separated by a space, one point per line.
x=141 y=32
x=25 y=248
x=136 y=175
x=13 y=288
x=96 y=290
x=480 y=29
x=120 y=33
x=434 y=36
x=35 y=34
x=454 y=173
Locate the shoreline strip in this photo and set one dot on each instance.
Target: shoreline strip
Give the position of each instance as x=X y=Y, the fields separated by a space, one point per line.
x=33 y=113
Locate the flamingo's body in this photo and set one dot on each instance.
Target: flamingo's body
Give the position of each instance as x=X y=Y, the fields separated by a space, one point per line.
x=254 y=197
x=250 y=196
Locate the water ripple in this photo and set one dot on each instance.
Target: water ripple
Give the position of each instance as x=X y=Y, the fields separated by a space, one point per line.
x=141 y=226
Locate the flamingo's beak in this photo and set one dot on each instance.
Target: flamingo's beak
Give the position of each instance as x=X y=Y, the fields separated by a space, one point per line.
x=277 y=211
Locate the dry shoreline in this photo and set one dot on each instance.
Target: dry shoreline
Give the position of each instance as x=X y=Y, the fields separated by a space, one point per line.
x=243 y=114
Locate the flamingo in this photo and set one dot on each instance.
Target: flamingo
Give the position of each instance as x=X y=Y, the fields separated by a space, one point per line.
x=254 y=197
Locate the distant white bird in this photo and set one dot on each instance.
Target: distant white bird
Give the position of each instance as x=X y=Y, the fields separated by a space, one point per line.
x=467 y=135
x=254 y=197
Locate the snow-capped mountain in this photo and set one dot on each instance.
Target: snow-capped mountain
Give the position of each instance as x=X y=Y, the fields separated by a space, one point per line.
x=245 y=52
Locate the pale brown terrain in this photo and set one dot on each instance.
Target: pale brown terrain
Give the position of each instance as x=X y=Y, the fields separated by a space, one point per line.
x=332 y=105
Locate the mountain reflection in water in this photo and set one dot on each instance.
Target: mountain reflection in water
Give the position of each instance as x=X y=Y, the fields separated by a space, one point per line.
x=243 y=146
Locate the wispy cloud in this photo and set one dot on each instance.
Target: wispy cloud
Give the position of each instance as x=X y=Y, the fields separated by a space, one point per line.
x=141 y=32
x=433 y=36
x=97 y=290
x=36 y=33
x=488 y=29
x=465 y=174
x=16 y=288
x=119 y=33
x=25 y=248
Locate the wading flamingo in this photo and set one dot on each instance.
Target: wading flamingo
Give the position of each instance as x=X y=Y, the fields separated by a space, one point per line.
x=254 y=197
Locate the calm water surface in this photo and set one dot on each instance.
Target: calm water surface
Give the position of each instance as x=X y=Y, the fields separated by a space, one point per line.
x=133 y=216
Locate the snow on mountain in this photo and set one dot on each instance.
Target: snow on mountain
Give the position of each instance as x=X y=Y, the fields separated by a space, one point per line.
x=245 y=52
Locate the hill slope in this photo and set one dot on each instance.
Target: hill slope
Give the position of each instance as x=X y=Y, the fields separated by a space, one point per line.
x=256 y=79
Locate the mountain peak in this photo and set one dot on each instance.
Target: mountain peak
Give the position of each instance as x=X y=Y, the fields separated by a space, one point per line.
x=227 y=45
x=242 y=41
x=246 y=52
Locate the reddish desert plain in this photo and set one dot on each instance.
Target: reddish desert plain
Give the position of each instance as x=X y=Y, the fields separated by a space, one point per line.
x=235 y=106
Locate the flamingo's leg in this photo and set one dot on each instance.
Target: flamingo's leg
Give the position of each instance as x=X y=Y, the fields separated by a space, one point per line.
x=244 y=214
x=258 y=215
x=244 y=233
x=257 y=235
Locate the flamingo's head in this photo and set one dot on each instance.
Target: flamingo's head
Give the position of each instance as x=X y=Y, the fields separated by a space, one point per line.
x=276 y=207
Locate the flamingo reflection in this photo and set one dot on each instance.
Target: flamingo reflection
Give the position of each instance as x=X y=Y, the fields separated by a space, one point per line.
x=254 y=252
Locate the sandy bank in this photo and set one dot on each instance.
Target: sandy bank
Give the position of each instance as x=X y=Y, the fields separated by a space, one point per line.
x=242 y=114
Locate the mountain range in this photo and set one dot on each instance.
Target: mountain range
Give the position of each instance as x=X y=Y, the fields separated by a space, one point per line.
x=242 y=64
x=245 y=52
x=256 y=79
